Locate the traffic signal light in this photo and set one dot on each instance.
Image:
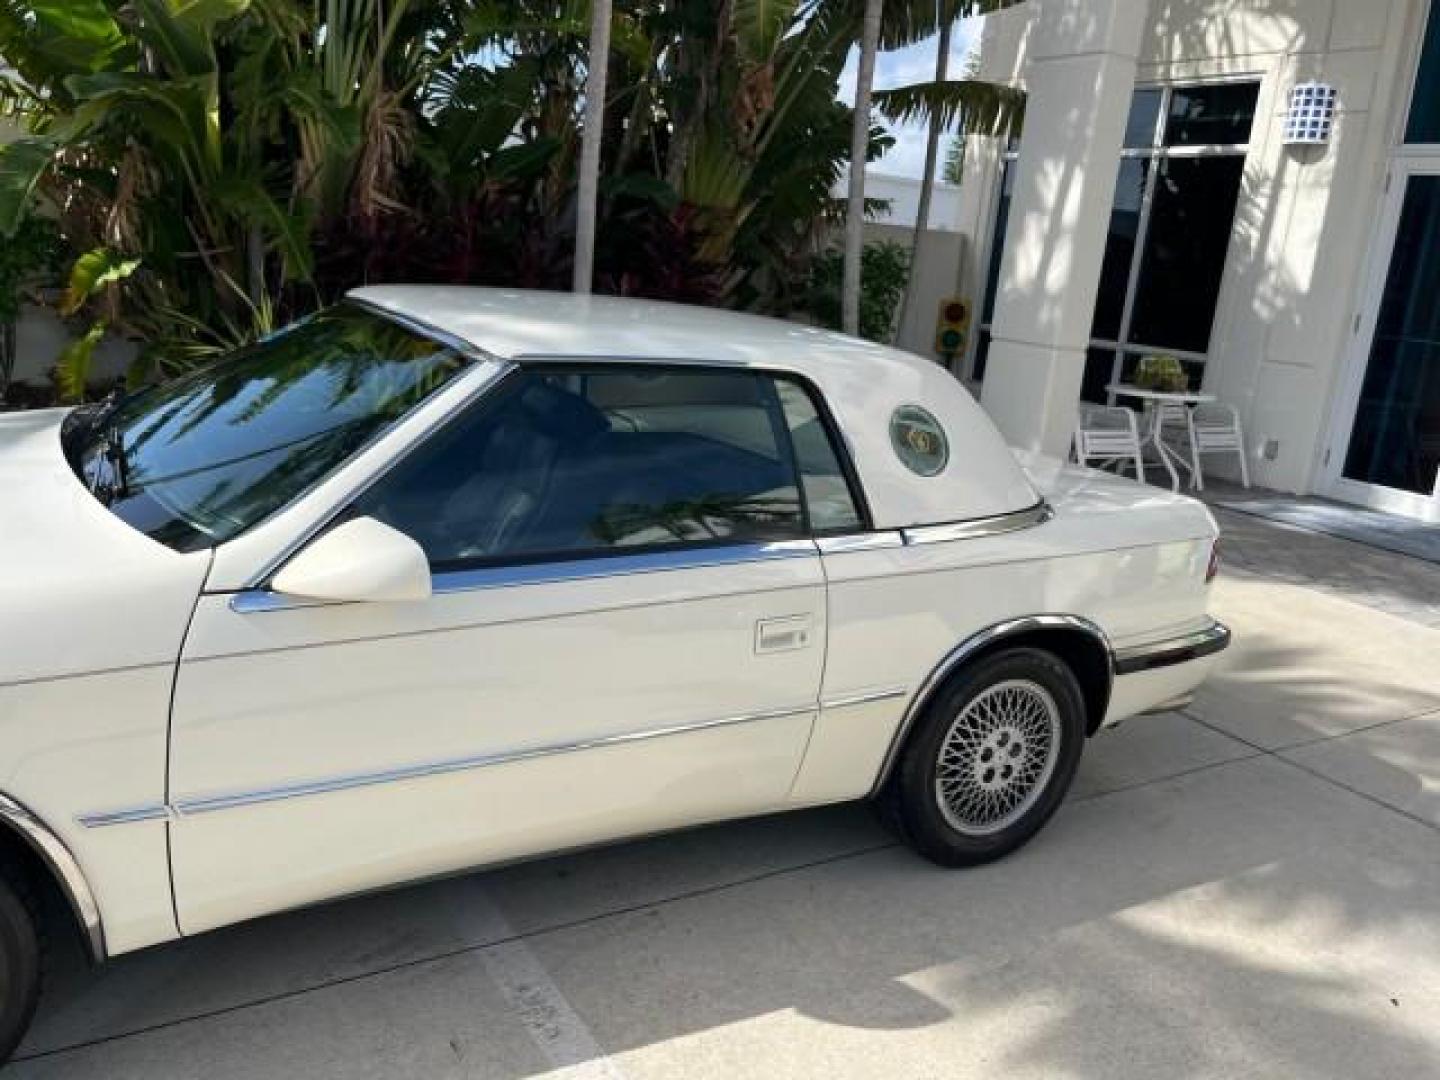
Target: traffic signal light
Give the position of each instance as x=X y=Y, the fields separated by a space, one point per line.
x=953 y=327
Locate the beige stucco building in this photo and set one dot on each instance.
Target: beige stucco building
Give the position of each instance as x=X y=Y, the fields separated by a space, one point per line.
x=1157 y=203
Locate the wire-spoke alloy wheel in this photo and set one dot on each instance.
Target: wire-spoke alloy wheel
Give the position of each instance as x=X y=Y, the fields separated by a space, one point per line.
x=997 y=757
x=990 y=758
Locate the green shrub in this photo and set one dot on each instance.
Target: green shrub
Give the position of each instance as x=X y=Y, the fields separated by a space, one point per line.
x=884 y=270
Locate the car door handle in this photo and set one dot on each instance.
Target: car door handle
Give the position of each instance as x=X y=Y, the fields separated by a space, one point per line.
x=783 y=633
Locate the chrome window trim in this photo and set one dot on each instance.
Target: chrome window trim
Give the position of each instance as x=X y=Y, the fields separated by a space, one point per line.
x=204 y=804
x=257 y=599
x=62 y=864
x=509 y=575
x=619 y=565
x=865 y=541
x=994 y=525
x=952 y=660
x=1206 y=641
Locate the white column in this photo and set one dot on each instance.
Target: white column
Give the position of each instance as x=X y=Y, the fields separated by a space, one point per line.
x=1079 y=79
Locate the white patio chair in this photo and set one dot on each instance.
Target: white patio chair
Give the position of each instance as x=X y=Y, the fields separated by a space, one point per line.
x=1178 y=436
x=1215 y=429
x=1108 y=435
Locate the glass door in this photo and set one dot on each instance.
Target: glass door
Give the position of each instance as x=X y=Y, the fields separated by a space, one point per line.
x=1391 y=454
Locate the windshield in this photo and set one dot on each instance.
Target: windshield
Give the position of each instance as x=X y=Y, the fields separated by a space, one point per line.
x=197 y=461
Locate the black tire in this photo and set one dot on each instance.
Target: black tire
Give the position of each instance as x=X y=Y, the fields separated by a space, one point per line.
x=1050 y=741
x=19 y=967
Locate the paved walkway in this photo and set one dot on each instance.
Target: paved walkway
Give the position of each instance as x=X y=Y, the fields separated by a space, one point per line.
x=1262 y=548
x=1251 y=887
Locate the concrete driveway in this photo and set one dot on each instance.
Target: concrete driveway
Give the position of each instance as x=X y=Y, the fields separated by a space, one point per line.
x=1251 y=887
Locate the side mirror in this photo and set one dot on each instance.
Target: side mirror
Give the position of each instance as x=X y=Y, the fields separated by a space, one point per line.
x=362 y=559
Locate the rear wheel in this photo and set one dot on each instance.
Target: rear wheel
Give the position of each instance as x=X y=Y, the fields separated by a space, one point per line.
x=19 y=968
x=991 y=759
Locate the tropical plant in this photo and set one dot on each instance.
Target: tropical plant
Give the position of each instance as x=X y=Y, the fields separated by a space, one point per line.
x=218 y=167
x=884 y=270
x=30 y=257
x=981 y=108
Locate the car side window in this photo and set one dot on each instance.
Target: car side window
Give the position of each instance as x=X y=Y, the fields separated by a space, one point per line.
x=563 y=462
x=828 y=495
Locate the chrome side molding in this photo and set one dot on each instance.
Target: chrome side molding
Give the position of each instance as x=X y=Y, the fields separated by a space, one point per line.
x=204 y=804
x=865 y=698
x=963 y=652
x=62 y=864
x=126 y=815
x=1206 y=641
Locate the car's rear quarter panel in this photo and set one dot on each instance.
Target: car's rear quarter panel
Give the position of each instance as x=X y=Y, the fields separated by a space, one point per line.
x=896 y=611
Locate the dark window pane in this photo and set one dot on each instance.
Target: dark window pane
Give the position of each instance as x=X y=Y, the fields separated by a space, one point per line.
x=1119 y=248
x=828 y=498
x=1144 y=113
x=1396 y=438
x=1184 y=253
x=997 y=240
x=1099 y=373
x=1211 y=115
x=586 y=460
x=210 y=454
x=1424 y=122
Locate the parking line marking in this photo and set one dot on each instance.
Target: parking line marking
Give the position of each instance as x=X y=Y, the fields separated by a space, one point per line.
x=550 y=1020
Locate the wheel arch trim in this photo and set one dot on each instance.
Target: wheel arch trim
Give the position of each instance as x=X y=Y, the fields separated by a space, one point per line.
x=64 y=868
x=957 y=657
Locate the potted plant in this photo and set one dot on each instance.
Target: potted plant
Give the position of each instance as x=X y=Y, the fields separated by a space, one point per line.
x=1162 y=372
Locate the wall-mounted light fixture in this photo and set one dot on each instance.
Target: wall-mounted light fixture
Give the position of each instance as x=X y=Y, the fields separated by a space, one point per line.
x=1311 y=114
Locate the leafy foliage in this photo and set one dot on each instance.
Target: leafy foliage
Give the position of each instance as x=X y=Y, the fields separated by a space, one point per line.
x=30 y=257
x=884 y=270
x=217 y=167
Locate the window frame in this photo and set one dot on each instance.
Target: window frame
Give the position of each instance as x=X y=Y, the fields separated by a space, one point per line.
x=1402 y=144
x=806 y=534
x=1156 y=151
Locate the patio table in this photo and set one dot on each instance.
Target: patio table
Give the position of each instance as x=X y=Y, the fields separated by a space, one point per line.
x=1152 y=400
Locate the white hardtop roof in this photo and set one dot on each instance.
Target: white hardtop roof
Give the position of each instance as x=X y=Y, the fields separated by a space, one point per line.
x=862 y=382
x=514 y=323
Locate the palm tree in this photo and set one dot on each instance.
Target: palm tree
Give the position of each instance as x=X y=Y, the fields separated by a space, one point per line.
x=981 y=107
x=859 y=144
x=927 y=175
x=589 y=179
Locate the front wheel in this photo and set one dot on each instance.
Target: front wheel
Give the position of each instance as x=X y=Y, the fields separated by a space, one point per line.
x=19 y=969
x=991 y=759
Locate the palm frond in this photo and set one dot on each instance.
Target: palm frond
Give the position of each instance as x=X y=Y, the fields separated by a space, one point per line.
x=907 y=22
x=986 y=108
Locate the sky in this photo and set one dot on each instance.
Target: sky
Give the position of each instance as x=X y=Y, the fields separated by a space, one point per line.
x=900 y=68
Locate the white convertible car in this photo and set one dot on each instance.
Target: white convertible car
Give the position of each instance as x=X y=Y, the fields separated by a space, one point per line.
x=443 y=577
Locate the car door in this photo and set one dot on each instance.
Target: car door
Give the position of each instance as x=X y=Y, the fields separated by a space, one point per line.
x=626 y=634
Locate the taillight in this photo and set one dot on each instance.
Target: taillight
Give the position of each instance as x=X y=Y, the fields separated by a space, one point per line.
x=1214 y=566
